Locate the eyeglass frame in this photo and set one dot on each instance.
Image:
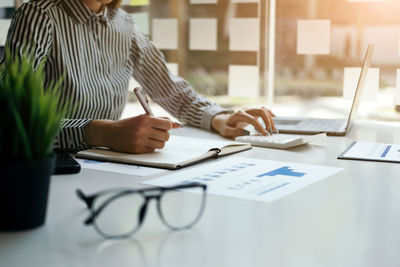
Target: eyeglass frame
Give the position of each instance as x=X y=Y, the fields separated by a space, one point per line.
x=119 y=192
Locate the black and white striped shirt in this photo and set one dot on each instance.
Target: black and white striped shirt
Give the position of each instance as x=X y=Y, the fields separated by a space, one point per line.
x=98 y=56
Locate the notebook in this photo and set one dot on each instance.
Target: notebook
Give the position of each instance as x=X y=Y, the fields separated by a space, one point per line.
x=178 y=152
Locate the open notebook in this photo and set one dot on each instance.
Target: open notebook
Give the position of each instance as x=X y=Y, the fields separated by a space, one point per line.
x=178 y=152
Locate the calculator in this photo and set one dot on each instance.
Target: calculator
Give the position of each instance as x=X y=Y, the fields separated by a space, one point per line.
x=282 y=141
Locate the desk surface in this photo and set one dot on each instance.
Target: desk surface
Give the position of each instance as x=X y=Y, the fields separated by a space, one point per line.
x=349 y=219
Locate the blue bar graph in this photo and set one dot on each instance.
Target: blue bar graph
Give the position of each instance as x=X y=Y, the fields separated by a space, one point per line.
x=285 y=171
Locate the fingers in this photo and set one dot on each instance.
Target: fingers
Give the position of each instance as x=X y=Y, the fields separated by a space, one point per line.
x=159 y=135
x=161 y=123
x=175 y=125
x=270 y=112
x=140 y=134
x=266 y=116
x=241 y=116
x=155 y=144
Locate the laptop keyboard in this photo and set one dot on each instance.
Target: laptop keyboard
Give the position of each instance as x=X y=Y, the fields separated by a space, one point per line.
x=323 y=125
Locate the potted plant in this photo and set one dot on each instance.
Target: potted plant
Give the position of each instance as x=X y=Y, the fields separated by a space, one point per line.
x=31 y=118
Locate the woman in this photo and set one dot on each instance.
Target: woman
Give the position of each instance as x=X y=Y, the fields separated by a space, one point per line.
x=97 y=48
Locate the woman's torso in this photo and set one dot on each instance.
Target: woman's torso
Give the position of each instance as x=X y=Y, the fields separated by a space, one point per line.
x=94 y=56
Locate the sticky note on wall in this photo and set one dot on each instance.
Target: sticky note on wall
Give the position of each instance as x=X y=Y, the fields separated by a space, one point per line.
x=350 y=81
x=365 y=0
x=135 y=2
x=165 y=33
x=203 y=34
x=173 y=68
x=203 y=1
x=313 y=37
x=7 y=3
x=142 y=21
x=244 y=1
x=243 y=81
x=4 y=26
x=244 y=34
x=397 y=90
x=398 y=51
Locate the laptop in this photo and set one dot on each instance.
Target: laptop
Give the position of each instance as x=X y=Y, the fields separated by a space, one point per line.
x=338 y=127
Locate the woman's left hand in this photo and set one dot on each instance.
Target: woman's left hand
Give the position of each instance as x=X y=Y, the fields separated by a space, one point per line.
x=231 y=125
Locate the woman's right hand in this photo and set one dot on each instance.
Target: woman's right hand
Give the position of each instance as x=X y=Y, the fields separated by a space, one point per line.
x=140 y=134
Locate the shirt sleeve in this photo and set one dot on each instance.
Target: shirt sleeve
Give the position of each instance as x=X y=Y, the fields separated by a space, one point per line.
x=71 y=137
x=171 y=92
x=31 y=30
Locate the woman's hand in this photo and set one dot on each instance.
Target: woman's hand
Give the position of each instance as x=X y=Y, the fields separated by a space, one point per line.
x=140 y=134
x=231 y=125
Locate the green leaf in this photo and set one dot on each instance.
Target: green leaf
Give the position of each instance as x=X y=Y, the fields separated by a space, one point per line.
x=30 y=113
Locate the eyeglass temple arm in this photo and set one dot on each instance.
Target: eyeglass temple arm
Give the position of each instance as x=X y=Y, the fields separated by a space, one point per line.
x=87 y=199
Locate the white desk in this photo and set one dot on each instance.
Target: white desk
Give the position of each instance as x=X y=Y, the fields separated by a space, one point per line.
x=349 y=219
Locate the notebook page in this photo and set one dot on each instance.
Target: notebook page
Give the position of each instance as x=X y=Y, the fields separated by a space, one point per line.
x=177 y=150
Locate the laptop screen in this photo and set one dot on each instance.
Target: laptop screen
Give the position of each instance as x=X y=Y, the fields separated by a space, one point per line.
x=360 y=85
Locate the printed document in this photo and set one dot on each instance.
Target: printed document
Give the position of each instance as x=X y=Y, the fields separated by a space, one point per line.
x=372 y=151
x=251 y=179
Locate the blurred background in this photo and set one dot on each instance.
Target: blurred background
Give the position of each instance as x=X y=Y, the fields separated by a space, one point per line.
x=298 y=57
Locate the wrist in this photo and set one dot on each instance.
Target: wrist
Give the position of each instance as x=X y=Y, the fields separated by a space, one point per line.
x=218 y=120
x=96 y=132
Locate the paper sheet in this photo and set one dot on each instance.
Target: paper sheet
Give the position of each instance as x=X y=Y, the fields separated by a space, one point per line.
x=251 y=179
x=117 y=168
x=4 y=26
x=165 y=33
x=244 y=34
x=313 y=37
x=243 y=81
x=350 y=81
x=372 y=151
x=203 y=34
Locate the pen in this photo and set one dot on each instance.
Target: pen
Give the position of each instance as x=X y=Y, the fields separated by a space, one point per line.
x=143 y=100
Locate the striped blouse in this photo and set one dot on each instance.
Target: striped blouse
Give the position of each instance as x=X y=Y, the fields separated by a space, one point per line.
x=98 y=54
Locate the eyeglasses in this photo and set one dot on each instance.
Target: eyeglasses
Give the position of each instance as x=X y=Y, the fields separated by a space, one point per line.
x=119 y=213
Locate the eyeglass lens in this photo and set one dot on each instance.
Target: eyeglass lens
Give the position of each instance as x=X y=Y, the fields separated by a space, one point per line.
x=120 y=215
x=181 y=208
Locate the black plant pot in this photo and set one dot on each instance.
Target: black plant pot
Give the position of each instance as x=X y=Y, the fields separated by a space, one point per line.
x=24 y=188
